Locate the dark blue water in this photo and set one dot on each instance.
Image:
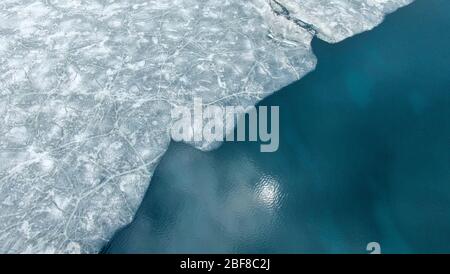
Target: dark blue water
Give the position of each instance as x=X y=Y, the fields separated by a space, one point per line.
x=364 y=156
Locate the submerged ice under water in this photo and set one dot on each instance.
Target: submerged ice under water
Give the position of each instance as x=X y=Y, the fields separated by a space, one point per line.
x=86 y=89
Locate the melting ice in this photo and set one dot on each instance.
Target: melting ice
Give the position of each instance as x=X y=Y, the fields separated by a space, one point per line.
x=86 y=89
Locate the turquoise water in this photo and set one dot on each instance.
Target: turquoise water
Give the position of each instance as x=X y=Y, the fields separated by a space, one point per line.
x=364 y=156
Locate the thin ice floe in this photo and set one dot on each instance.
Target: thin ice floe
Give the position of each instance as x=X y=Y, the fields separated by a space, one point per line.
x=86 y=89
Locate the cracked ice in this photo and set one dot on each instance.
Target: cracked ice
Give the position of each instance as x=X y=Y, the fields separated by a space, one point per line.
x=86 y=89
